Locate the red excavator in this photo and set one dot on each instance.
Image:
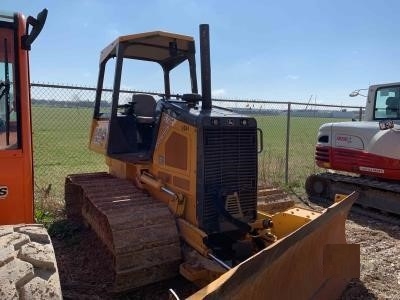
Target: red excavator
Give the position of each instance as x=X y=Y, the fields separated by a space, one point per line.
x=363 y=155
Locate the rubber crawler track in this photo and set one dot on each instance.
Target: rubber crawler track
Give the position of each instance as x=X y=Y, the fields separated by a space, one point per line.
x=378 y=199
x=380 y=195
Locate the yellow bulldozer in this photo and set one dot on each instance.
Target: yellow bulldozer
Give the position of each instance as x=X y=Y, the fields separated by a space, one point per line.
x=182 y=190
x=181 y=193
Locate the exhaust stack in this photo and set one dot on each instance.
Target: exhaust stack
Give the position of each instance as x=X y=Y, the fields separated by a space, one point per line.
x=205 y=67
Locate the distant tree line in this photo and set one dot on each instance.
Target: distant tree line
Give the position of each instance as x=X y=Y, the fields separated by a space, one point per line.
x=60 y=103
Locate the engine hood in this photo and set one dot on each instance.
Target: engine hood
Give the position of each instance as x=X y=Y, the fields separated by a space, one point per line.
x=364 y=125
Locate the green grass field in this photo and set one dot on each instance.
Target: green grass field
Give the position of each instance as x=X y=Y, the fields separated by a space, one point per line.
x=61 y=137
x=302 y=140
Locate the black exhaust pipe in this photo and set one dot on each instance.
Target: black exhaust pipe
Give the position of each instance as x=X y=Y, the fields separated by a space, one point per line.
x=205 y=67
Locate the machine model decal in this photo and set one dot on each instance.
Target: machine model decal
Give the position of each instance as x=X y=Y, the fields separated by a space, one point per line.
x=372 y=170
x=166 y=122
x=3 y=192
x=348 y=141
x=100 y=135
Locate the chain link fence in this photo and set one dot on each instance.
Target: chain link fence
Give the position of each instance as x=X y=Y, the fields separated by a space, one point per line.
x=61 y=117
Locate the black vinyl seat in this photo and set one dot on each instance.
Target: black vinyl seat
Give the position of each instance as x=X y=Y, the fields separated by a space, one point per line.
x=392 y=106
x=144 y=108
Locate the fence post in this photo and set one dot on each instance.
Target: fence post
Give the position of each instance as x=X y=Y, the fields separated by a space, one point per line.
x=287 y=143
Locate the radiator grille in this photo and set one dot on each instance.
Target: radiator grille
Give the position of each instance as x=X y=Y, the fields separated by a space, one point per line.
x=322 y=154
x=230 y=165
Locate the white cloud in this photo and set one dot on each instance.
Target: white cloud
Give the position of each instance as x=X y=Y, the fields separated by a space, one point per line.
x=293 y=77
x=218 y=93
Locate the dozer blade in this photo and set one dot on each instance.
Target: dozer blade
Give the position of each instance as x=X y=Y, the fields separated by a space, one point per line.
x=313 y=262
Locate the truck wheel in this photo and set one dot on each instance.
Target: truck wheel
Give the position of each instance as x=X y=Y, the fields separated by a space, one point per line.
x=28 y=268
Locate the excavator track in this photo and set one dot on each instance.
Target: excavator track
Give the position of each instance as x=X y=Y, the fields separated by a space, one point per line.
x=139 y=231
x=375 y=194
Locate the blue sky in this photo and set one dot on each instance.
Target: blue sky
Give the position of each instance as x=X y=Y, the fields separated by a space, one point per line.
x=273 y=50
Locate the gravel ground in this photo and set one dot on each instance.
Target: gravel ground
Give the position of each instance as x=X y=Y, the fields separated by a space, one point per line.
x=84 y=274
x=380 y=252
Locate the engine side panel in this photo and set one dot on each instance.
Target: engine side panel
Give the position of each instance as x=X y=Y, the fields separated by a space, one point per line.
x=174 y=161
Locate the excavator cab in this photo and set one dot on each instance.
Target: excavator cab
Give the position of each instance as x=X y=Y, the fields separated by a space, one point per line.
x=387 y=98
x=16 y=179
x=124 y=127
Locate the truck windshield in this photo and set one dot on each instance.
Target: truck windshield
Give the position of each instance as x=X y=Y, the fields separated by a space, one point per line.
x=8 y=110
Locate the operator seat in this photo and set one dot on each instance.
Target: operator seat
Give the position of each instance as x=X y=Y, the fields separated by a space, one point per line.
x=144 y=108
x=392 y=106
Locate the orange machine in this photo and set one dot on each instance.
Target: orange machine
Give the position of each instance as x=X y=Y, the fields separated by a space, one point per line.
x=16 y=171
x=28 y=268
